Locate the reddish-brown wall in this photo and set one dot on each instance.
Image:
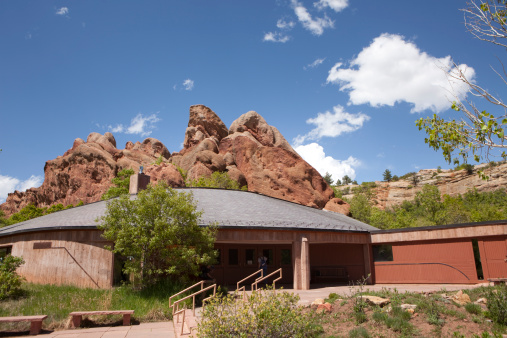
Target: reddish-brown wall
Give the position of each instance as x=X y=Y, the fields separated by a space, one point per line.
x=494 y=256
x=74 y=257
x=449 y=261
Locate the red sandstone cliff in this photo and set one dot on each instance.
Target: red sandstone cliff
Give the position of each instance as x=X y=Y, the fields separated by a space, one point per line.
x=251 y=151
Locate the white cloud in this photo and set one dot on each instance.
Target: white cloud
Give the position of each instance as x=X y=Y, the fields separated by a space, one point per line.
x=317 y=25
x=10 y=184
x=392 y=70
x=336 y=5
x=142 y=125
x=62 y=11
x=314 y=154
x=118 y=129
x=188 y=84
x=332 y=124
x=285 y=25
x=315 y=63
x=276 y=37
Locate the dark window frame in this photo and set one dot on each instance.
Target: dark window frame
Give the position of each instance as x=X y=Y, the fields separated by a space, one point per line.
x=382 y=253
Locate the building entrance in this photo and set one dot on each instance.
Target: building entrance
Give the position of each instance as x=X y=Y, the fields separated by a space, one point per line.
x=238 y=261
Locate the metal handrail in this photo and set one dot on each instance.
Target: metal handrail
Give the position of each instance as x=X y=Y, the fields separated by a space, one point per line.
x=176 y=304
x=244 y=279
x=260 y=279
x=190 y=287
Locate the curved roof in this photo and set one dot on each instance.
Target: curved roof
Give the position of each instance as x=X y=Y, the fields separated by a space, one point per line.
x=226 y=208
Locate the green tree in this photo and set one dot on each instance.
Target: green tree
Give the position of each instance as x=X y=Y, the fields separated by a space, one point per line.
x=346 y=180
x=4 y=221
x=121 y=184
x=328 y=178
x=387 y=175
x=217 y=180
x=476 y=133
x=28 y=212
x=159 y=233
x=428 y=201
x=10 y=281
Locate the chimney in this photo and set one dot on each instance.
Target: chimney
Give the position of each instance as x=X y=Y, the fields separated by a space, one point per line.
x=138 y=182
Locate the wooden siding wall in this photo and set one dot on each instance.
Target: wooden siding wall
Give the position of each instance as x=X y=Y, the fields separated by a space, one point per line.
x=449 y=261
x=350 y=256
x=289 y=236
x=72 y=257
x=494 y=257
x=441 y=233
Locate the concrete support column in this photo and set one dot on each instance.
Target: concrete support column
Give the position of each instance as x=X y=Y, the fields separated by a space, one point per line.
x=367 y=263
x=301 y=263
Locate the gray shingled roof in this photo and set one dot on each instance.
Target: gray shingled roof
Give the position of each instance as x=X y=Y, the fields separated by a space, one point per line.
x=227 y=208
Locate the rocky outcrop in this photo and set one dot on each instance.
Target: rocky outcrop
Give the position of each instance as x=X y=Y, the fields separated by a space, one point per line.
x=338 y=205
x=450 y=182
x=85 y=171
x=252 y=152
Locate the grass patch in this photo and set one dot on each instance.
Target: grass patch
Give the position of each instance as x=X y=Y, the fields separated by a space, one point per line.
x=473 y=308
x=359 y=332
x=149 y=304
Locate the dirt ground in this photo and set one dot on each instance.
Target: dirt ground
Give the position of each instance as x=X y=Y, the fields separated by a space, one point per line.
x=453 y=320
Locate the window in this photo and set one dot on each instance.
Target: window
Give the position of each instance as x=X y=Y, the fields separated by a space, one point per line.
x=4 y=251
x=250 y=257
x=383 y=253
x=233 y=257
x=268 y=253
x=286 y=257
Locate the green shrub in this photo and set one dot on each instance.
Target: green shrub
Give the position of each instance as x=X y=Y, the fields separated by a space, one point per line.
x=359 y=332
x=264 y=314
x=121 y=184
x=497 y=304
x=397 y=320
x=332 y=298
x=217 y=180
x=465 y=166
x=10 y=281
x=473 y=308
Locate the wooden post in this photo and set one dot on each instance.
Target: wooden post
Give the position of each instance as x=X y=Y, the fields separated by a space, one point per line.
x=301 y=263
x=367 y=263
x=296 y=264
x=305 y=263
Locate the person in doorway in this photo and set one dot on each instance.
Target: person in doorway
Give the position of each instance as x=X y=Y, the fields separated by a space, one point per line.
x=206 y=271
x=263 y=265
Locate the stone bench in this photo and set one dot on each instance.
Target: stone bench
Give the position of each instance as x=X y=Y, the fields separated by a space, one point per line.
x=77 y=316
x=35 y=321
x=498 y=281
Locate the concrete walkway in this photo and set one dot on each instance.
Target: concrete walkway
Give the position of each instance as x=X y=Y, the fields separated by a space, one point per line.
x=161 y=329
x=166 y=329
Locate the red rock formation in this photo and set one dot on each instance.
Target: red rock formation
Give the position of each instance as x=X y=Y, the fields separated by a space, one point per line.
x=251 y=151
x=338 y=205
x=85 y=171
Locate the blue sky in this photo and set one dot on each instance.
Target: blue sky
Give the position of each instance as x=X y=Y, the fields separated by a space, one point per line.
x=343 y=80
